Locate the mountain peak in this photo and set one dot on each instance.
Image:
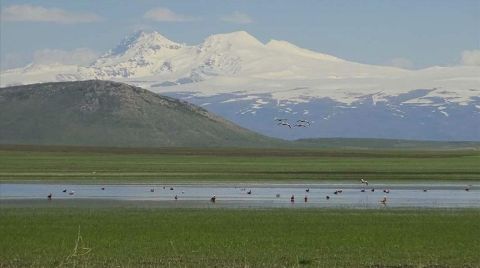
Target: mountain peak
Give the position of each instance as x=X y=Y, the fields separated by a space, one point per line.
x=236 y=39
x=143 y=40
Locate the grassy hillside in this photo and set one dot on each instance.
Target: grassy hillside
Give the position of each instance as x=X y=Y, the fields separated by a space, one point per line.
x=226 y=164
x=104 y=113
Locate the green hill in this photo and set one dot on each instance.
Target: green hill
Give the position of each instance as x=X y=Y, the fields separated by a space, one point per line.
x=104 y=113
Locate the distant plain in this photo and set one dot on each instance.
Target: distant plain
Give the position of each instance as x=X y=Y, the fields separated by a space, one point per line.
x=93 y=164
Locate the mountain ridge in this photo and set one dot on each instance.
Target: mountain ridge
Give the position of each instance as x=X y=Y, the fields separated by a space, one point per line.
x=240 y=78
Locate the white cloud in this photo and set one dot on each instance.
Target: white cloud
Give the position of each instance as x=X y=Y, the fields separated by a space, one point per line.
x=401 y=63
x=79 y=56
x=471 y=57
x=165 y=14
x=42 y=14
x=238 y=18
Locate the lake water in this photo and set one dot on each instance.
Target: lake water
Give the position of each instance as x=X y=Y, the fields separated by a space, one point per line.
x=262 y=195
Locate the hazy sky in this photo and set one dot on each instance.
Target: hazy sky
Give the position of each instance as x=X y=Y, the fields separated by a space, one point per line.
x=409 y=33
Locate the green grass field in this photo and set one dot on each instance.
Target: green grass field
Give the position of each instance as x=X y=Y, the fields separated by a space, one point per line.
x=189 y=164
x=119 y=237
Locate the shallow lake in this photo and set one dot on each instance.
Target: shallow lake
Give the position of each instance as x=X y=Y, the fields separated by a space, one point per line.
x=261 y=195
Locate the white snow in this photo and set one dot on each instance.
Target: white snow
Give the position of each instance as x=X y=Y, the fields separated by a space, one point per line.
x=240 y=64
x=444 y=113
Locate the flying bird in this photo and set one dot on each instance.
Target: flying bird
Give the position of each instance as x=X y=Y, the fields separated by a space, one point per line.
x=281 y=119
x=364 y=181
x=284 y=124
x=303 y=121
x=300 y=125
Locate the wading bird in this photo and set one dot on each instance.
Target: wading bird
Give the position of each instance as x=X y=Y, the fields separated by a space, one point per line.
x=49 y=196
x=213 y=199
x=64 y=190
x=307 y=190
x=364 y=182
x=292 y=199
x=384 y=200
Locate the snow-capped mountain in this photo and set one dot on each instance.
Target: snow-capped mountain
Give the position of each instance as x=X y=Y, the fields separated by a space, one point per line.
x=251 y=83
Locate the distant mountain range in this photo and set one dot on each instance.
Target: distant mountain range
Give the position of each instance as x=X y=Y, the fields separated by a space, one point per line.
x=103 y=113
x=250 y=83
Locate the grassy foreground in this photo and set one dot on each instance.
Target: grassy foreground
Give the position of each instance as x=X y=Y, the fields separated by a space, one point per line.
x=189 y=164
x=48 y=237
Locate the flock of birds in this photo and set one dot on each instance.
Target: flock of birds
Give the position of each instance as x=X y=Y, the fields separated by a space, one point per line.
x=213 y=198
x=299 y=123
